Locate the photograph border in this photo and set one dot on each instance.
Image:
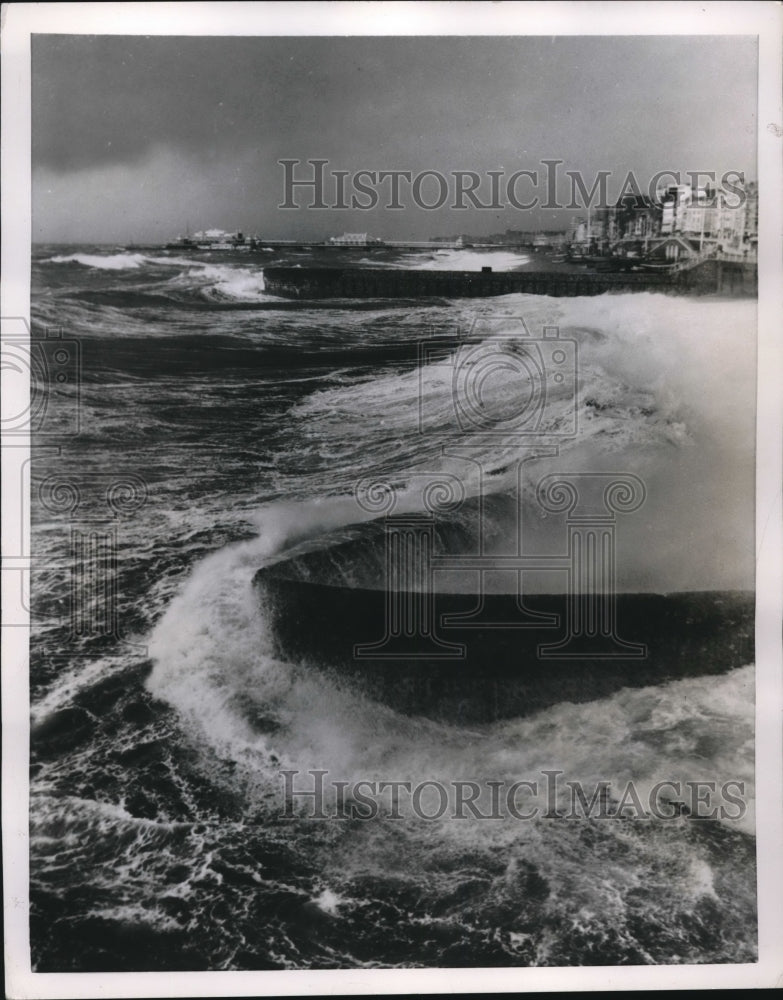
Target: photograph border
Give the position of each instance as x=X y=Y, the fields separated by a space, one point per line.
x=764 y=19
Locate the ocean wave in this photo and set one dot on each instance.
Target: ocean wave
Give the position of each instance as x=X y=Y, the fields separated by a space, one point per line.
x=233 y=284
x=212 y=282
x=108 y=262
x=661 y=388
x=654 y=388
x=217 y=661
x=191 y=849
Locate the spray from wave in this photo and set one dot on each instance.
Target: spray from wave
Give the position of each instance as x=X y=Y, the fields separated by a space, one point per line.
x=105 y=262
x=198 y=283
x=216 y=661
x=457 y=260
x=224 y=283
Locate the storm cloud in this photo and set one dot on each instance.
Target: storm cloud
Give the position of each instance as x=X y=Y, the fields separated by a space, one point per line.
x=222 y=111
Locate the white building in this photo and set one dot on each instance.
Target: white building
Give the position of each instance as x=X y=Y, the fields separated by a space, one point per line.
x=218 y=238
x=352 y=240
x=705 y=216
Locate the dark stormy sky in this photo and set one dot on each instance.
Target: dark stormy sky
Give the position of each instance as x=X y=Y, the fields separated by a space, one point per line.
x=136 y=137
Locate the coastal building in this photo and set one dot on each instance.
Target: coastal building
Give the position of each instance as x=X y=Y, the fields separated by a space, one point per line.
x=713 y=219
x=675 y=201
x=353 y=240
x=702 y=221
x=751 y=235
x=708 y=215
x=216 y=236
x=680 y=222
x=218 y=239
x=621 y=230
x=638 y=217
x=209 y=239
x=731 y=228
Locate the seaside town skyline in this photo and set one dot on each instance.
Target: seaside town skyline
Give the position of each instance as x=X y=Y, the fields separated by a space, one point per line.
x=680 y=228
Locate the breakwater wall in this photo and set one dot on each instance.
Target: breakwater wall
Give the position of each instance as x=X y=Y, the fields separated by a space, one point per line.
x=501 y=673
x=331 y=282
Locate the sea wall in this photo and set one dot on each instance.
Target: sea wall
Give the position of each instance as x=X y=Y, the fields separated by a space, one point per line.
x=501 y=672
x=329 y=282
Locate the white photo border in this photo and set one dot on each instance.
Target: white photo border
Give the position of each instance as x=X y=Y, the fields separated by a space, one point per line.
x=763 y=19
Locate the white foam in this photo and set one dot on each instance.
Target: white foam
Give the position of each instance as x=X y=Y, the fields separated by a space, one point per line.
x=214 y=658
x=236 y=283
x=214 y=655
x=462 y=260
x=111 y=262
x=665 y=390
x=328 y=902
